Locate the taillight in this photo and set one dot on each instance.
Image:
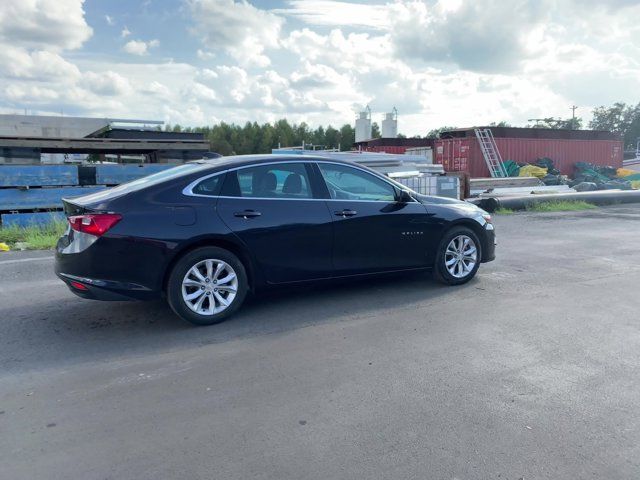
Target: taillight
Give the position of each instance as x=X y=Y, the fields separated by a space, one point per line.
x=78 y=286
x=94 y=223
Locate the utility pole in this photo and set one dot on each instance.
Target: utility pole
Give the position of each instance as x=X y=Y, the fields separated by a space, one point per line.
x=573 y=116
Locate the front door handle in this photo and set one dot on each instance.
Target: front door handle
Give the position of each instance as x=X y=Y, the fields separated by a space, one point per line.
x=247 y=214
x=346 y=213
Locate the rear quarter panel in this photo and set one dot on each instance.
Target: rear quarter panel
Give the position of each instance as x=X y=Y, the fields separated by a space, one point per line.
x=157 y=223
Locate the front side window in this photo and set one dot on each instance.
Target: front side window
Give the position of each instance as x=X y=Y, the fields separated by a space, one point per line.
x=284 y=180
x=349 y=183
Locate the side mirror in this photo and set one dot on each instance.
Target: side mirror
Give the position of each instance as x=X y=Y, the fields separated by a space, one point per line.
x=404 y=197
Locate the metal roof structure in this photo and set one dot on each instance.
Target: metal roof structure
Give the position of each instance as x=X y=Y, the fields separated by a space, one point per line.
x=23 y=138
x=400 y=142
x=528 y=132
x=102 y=145
x=65 y=126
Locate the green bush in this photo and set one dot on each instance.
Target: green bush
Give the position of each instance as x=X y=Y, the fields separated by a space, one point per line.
x=36 y=237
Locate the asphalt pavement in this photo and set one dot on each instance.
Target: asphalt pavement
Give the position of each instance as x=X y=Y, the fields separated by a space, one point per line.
x=529 y=371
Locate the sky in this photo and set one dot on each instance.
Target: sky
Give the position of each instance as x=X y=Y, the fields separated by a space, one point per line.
x=199 y=62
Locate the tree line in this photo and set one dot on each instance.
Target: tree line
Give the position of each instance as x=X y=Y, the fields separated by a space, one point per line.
x=232 y=139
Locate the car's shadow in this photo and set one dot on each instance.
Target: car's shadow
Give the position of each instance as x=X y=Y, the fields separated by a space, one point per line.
x=62 y=328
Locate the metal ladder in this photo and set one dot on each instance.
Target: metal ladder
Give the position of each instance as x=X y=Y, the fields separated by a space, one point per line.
x=490 y=152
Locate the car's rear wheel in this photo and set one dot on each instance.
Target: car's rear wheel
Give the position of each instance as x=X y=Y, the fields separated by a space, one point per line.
x=207 y=285
x=458 y=257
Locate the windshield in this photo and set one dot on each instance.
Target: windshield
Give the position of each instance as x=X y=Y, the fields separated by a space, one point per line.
x=401 y=186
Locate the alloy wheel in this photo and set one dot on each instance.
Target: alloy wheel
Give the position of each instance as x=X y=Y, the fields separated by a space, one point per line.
x=461 y=256
x=209 y=287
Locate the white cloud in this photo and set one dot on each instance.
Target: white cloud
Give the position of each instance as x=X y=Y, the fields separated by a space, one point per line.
x=139 y=47
x=315 y=75
x=43 y=24
x=200 y=92
x=156 y=88
x=106 y=83
x=483 y=36
x=38 y=65
x=458 y=62
x=337 y=13
x=238 y=28
x=359 y=52
x=110 y=21
x=20 y=92
x=205 y=55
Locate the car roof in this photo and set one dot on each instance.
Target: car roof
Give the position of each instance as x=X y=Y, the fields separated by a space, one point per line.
x=223 y=163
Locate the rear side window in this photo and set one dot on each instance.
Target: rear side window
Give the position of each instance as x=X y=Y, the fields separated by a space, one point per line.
x=149 y=181
x=209 y=186
x=283 y=180
x=352 y=184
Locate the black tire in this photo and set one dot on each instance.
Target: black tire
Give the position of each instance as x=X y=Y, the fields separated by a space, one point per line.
x=184 y=265
x=440 y=270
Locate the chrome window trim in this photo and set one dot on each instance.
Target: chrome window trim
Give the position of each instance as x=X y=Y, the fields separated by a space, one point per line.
x=188 y=190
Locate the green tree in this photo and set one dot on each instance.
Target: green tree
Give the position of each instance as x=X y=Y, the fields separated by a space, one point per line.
x=619 y=118
x=557 y=123
x=252 y=137
x=435 y=133
x=375 y=130
x=331 y=137
x=347 y=137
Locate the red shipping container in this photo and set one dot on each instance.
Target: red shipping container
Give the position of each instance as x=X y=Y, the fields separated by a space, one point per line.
x=463 y=154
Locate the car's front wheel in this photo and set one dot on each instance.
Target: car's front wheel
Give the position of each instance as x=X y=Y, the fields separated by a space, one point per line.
x=207 y=285
x=458 y=257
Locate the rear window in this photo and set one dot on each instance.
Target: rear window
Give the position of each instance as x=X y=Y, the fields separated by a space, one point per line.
x=139 y=184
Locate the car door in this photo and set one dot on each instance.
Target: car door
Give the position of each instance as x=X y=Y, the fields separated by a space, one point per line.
x=271 y=208
x=373 y=232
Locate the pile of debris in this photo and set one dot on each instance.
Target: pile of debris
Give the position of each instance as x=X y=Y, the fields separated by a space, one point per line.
x=589 y=177
x=500 y=187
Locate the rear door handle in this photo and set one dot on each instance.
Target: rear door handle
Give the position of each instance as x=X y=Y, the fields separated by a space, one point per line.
x=247 y=214
x=346 y=213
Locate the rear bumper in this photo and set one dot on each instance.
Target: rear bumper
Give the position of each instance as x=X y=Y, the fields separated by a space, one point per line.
x=106 y=290
x=109 y=267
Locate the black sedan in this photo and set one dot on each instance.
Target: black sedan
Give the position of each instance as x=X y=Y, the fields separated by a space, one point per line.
x=205 y=233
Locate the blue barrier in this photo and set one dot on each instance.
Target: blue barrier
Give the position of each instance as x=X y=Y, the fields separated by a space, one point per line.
x=117 y=174
x=38 y=175
x=40 y=198
x=25 y=200
x=27 y=219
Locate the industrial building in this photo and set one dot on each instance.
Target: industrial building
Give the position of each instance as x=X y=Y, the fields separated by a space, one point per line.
x=479 y=150
x=389 y=141
x=393 y=145
x=25 y=138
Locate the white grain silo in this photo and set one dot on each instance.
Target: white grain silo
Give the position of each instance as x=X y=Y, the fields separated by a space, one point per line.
x=390 y=124
x=363 y=125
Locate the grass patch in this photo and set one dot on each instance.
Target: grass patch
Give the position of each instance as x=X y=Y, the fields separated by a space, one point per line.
x=561 y=206
x=35 y=237
x=504 y=211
